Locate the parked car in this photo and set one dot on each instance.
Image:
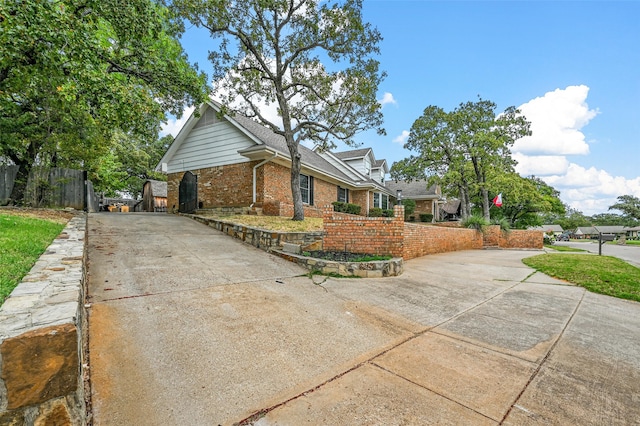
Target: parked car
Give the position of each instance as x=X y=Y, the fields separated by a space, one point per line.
x=563 y=237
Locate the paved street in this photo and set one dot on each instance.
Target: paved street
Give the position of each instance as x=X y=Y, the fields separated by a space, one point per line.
x=189 y=326
x=627 y=253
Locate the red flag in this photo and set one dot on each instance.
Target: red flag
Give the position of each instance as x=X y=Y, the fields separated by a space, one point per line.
x=498 y=200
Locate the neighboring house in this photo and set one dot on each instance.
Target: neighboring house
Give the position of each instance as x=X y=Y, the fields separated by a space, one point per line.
x=555 y=229
x=617 y=230
x=426 y=197
x=233 y=161
x=585 y=232
x=633 y=233
x=154 y=196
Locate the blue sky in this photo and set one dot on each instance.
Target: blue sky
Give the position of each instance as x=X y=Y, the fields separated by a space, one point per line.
x=573 y=68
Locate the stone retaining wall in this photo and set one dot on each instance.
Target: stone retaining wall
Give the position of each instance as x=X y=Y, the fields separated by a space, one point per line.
x=42 y=324
x=374 y=269
x=263 y=239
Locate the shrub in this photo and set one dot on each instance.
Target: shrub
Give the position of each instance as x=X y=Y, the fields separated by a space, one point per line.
x=375 y=212
x=387 y=213
x=341 y=207
x=504 y=223
x=426 y=217
x=409 y=208
x=478 y=223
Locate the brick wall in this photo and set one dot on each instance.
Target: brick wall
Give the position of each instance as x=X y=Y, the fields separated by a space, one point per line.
x=360 y=234
x=423 y=206
x=360 y=198
x=522 y=239
x=277 y=193
x=420 y=240
x=221 y=186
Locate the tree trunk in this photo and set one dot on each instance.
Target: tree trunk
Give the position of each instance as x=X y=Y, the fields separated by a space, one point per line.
x=485 y=204
x=20 y=185
x=298 y=208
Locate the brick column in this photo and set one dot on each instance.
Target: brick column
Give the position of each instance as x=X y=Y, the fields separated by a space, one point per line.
x=398 y=211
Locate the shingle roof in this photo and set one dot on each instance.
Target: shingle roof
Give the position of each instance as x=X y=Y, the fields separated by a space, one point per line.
x=158 y=188
x=378 y=163
x=548 y=228
x=354 y=153
x=618 y=229
x=451 y=206
x=416 y=189
x=586 y=230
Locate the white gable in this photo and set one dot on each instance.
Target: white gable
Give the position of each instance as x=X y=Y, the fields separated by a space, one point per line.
x=211 y=142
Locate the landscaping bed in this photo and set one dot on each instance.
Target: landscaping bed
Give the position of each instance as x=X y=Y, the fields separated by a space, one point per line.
x=343 y=256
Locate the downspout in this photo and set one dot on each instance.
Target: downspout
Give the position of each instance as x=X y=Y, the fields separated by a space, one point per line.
x=368 y=202
x=262 y=163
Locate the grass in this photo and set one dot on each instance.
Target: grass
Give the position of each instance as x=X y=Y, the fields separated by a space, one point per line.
x=22 y=241
x=274 y=223
x=628 y=243
x=563 y=248
x=599 y=274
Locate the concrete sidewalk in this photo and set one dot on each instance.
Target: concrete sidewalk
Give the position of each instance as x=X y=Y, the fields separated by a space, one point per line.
x=188 y=326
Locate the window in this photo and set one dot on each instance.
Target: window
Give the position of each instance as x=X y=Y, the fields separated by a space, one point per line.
x=380 y=200
x=306 y=188
x=343 y=195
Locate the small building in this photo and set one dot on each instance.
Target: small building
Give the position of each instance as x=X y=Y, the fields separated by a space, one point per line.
x=617 y=230
x=154 y=196
x=450 y=210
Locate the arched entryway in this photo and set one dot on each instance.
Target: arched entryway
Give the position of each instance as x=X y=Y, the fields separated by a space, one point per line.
x=188 y=193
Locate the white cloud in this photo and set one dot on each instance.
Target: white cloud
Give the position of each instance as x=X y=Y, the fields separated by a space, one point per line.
x=540 y=165
x=402 y=137
x=556 y=122
x=388 y=98
x=592 y=190
x=173 y=125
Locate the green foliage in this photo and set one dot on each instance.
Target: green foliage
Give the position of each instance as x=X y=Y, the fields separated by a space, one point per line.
x=387 y=213
x=572 y=219
x=629 y=206
x=426 y=217
x=565 y=248
x=22 y=241
x=339 y=206
x=479 y=223
x=409 y=207
x=462 y=149
x=611 y=219
x=600 y=274
x=525 y=200
x=80 y=71
x=312 y=59
x=504 y=223
x=375 y=212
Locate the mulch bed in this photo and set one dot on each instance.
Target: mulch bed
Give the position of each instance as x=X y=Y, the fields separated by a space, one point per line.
x=337 y=256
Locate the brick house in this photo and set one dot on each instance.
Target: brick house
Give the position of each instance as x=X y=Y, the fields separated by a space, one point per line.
x=427 y=197
x=239 y=163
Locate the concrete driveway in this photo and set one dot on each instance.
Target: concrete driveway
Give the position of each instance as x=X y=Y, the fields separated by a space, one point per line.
x=188 y=326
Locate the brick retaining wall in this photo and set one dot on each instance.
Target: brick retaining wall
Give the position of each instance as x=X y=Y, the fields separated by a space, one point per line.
x=360 y=234
x=515 y=238
x=421 y=240
x=42 y=325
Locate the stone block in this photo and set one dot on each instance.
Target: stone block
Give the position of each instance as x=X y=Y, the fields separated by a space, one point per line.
x=40 y=365
x=25 y=288
x=53 y=413
x=291 y=248
x=50 y=314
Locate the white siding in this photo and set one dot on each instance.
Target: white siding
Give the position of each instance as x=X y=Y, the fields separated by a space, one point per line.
x=209 y=146
x=359 y=165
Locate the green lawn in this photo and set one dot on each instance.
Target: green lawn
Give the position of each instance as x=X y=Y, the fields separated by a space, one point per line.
x=22 y=241
x=599 y=274
x=563 y=248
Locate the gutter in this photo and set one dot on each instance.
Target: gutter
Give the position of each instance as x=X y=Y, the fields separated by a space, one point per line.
x=262 y=163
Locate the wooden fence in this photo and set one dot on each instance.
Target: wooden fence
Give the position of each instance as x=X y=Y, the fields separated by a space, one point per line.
x=51 y=187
